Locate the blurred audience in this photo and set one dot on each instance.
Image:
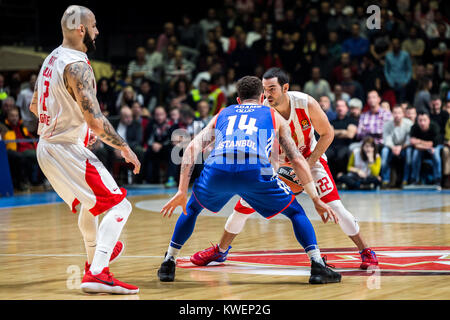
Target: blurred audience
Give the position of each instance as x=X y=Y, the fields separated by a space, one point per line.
x=363 y=167
x=396 y=147
x=425 y=143
x=189 y=68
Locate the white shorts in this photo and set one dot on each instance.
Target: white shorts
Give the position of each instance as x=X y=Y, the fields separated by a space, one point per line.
x=78 y=176
x=325 y=185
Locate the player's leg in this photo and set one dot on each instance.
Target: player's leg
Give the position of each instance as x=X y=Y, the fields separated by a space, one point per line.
x=348 y=223
x=88 y=225
x=79 y=177
x=305 y=235
x=206 y=193
x=270 y=196
x=98 y=279
x=234 y=225
x=182 y=232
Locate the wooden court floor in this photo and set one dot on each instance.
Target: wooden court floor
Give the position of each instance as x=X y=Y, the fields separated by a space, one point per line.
x=42 y=253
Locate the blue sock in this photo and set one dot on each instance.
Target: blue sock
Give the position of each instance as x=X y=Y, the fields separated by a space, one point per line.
x=185 y=224
x=303 y=229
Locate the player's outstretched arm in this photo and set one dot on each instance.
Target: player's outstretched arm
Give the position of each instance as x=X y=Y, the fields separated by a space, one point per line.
x=80 y=81
x=200 y=141
x=302 y=170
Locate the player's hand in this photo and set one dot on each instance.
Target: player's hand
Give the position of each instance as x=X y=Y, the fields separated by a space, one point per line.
x=92 y=138
x=294 y=177
x=179 y=199
x=325 y=211
x=130 y=157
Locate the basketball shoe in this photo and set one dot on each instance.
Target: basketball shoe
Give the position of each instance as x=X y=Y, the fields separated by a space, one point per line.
x=321 y=274
x=166 y=273
x=117 y=252
x=369 y=258
x=104 y=282
x=204 y=257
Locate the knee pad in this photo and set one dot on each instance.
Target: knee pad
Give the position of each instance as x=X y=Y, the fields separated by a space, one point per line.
x=120 y=211
x=124 y=206
x=236 y=222
x=347 y=221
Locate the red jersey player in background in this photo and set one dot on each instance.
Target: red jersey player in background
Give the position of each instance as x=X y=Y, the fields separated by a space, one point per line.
x=65 y=103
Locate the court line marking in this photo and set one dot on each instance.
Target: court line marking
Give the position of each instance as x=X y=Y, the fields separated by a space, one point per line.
x=64 y=255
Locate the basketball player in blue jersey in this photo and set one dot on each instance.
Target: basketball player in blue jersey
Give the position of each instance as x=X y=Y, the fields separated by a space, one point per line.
x=239 y=165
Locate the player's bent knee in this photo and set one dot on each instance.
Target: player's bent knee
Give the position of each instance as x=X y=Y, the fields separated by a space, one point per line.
x=347 y=221
x=236 y=222
x=124 y=206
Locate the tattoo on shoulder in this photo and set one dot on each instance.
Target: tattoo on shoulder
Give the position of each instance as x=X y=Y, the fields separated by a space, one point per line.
x=83 y=77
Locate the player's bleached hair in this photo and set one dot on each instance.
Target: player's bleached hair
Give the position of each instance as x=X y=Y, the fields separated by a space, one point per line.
x=73 y=16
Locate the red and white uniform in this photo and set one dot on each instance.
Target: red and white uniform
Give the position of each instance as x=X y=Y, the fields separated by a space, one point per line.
x=74 y=171
x=303 y=134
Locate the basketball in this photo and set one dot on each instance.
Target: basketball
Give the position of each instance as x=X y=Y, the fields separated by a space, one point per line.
x=287 y=174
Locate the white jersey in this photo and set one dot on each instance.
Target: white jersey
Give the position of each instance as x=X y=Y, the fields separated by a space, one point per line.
x=300 y=124
x=60 y=117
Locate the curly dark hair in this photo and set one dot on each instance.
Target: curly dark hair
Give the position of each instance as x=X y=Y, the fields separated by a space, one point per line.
x=249 y=87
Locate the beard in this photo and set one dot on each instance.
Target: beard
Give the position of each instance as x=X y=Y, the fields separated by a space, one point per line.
x=89 y=43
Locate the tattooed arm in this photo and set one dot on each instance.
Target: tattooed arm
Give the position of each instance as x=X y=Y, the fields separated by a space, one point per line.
x=200 y=142
x=79 y=80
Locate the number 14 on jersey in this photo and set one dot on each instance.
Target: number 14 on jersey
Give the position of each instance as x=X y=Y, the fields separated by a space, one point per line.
x=249 y=128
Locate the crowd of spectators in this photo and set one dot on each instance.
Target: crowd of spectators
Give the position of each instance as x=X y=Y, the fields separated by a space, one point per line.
x=385 y=90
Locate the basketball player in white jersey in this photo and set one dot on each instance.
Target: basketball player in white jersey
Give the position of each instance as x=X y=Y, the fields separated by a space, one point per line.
x=65 y=103
x=304 y=115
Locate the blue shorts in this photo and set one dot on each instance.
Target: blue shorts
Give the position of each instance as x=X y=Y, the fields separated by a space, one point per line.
x=268 y=195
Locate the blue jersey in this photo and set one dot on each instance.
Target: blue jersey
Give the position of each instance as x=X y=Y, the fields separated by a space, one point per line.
x=244 y=136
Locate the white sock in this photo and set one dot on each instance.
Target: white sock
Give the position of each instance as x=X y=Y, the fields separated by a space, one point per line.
x=172 y=252
x=314 y=255
x=88 y=225
x=108 y=234
x=222 y=250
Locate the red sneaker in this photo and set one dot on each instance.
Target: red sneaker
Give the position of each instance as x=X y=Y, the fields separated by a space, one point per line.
x=204 y=257
x=369 y=258
x=104 y=282
x=117 y=252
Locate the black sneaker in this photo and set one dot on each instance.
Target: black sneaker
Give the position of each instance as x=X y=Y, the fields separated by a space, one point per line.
x=166 y=273
x=323 y=274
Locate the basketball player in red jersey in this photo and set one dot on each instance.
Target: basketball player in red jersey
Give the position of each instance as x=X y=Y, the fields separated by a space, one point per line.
x=65 y=103
x=304 y=115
